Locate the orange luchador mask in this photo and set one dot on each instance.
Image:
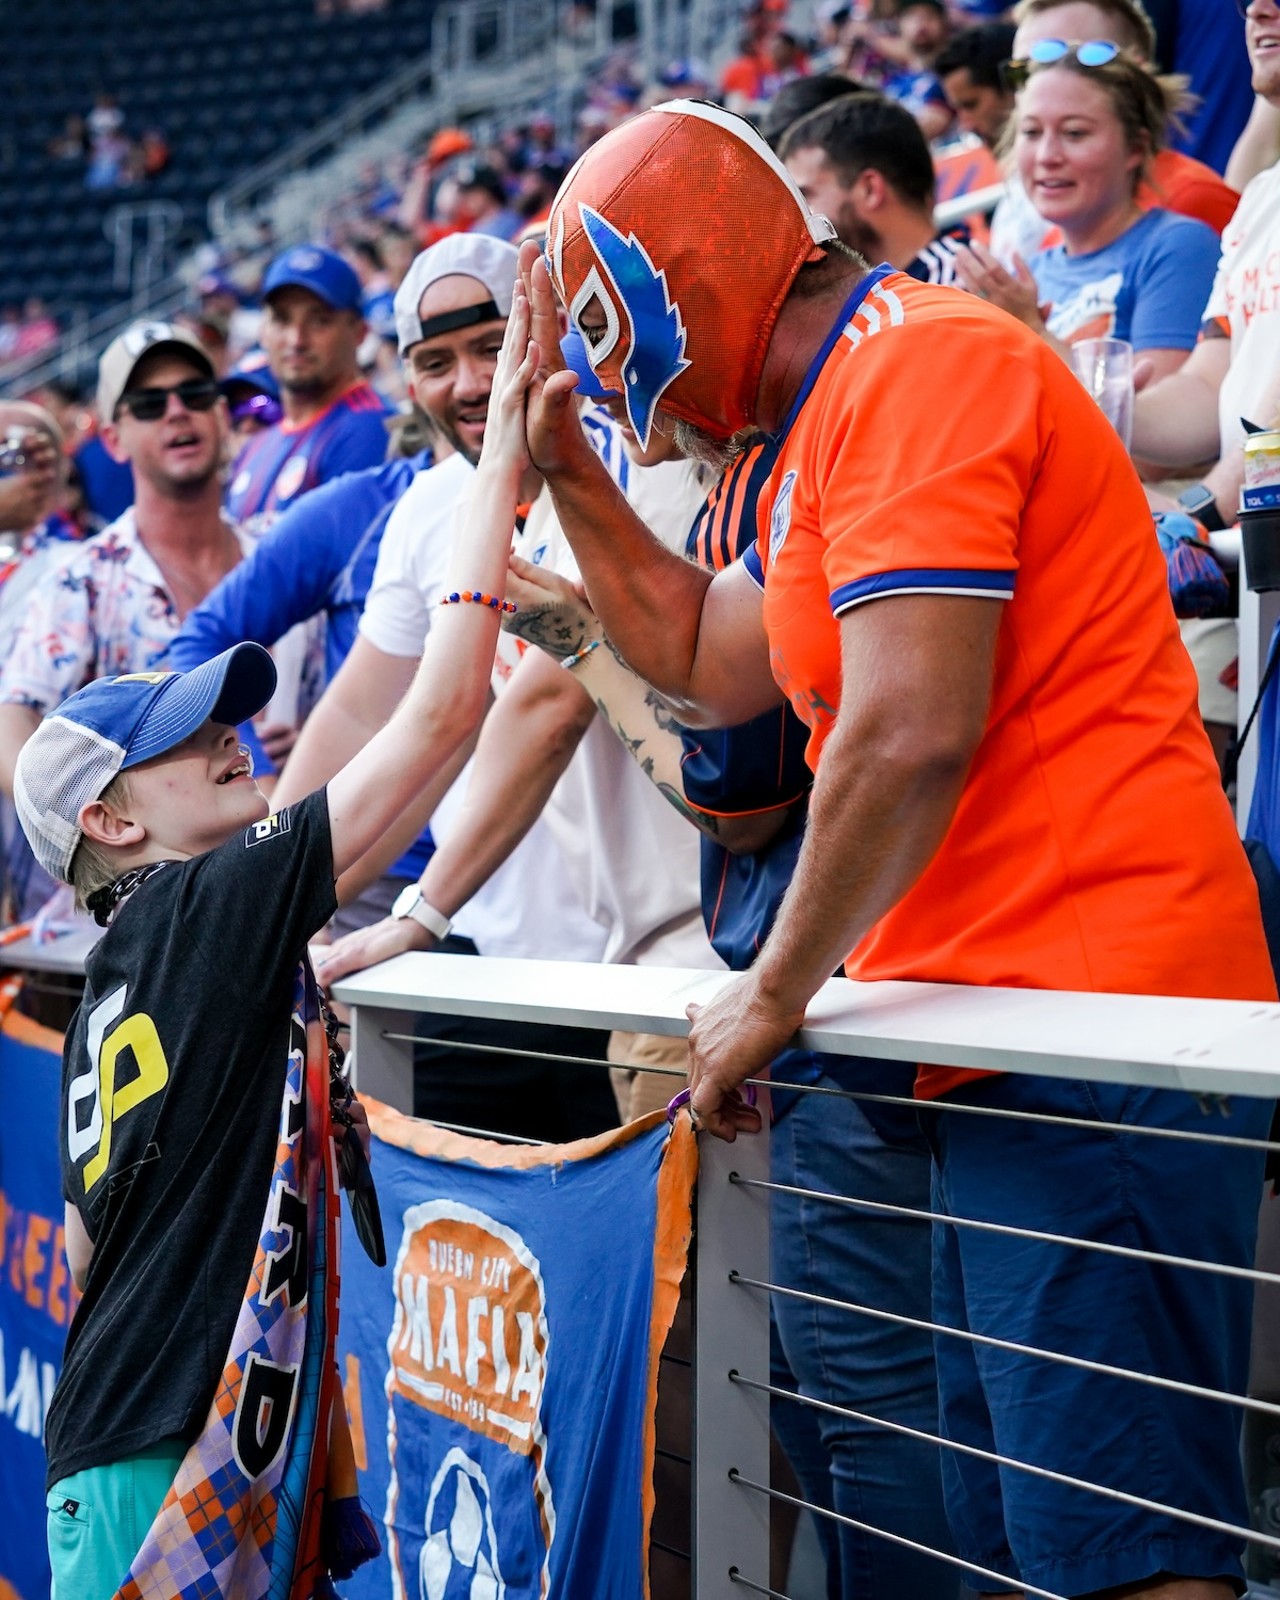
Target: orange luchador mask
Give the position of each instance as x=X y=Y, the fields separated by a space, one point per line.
x=676 y=238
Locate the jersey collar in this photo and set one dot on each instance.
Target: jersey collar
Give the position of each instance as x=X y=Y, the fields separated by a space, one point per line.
x=860 y=292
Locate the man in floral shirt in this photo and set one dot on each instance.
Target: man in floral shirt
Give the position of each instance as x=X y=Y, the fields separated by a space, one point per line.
x=115 y=603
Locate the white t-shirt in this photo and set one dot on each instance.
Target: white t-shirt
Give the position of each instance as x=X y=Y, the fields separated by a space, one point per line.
x=1246 y=298
x=413 y=558
x=528 y=907
x=634 y=860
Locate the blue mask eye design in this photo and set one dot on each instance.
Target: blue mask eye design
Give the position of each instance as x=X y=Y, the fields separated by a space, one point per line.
x=656 y=356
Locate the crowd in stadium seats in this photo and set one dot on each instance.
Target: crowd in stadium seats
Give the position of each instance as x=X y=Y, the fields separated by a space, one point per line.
x=283 y=463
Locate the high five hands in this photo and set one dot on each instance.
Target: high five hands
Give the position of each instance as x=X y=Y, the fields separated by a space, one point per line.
x=555 y=438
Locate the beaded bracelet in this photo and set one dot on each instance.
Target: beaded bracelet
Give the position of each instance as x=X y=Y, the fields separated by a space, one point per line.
x=474 y=597
x=572 y=661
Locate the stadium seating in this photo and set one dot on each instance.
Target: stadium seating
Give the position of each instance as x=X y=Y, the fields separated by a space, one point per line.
x=227 y=85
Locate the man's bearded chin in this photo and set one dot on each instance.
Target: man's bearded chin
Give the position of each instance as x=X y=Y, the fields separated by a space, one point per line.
x=453 y=436
x=697 y=445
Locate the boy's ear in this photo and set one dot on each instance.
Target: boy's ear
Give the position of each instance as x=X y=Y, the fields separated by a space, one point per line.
x=104 y=826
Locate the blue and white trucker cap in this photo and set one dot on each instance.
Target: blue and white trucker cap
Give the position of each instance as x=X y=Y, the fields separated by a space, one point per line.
x=116 y=723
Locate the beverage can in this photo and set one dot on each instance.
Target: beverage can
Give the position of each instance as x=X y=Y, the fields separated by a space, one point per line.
x=1262 y=461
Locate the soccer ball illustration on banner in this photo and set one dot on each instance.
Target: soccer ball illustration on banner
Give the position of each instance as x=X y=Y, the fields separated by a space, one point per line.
x=459 y=1559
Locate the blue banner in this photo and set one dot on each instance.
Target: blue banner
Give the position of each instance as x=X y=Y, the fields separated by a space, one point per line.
x=36 y=1294
x=501 y=1371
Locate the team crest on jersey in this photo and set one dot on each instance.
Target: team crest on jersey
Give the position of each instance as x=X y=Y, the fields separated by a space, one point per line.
x=780 y=518
x=279 y=822
x=289 y=479
x=627 y=283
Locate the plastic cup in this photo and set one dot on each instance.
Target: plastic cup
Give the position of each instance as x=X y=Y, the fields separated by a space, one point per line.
x=1105 y=367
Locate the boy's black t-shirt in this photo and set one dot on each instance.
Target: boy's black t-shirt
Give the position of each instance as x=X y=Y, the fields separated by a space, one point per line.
x=172 y=1080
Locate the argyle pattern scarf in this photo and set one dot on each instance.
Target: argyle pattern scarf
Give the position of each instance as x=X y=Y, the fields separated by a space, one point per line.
x=242 y=1518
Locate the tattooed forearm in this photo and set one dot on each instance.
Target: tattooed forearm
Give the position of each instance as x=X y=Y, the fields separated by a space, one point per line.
x=662 y=712
x=652 y=740
x=559 y=630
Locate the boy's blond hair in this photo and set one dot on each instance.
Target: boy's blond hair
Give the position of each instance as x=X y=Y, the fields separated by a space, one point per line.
x=95 y=866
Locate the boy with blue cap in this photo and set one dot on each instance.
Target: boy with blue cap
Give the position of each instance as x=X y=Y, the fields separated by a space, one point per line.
x=190 y=1430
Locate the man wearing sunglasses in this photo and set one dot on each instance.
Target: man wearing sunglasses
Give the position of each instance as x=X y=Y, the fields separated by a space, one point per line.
x=115 y=604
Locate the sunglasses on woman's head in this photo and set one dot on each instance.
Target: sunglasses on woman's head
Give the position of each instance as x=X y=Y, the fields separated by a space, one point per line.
x=149 y=405
x=1044 y=52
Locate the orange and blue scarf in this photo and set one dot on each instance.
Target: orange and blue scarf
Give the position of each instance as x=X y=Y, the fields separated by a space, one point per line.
x=243 y=1516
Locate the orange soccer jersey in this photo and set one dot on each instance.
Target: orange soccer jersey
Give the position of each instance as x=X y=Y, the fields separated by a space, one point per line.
x=939 y=447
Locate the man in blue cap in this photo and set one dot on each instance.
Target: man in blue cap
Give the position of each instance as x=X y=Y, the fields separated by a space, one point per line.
x=333 y=421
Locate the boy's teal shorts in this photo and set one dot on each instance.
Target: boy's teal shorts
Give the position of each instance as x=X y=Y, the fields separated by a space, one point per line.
x=97 y=1519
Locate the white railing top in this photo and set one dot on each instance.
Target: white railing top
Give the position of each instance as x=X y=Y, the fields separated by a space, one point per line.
x=1206 y=1046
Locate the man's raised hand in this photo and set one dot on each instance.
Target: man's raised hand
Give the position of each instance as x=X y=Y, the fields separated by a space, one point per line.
x=556 y=440
x=553 y=613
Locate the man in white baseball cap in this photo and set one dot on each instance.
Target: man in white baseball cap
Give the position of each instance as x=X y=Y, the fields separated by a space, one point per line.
x=144 y=341
x=116 y=601
x=450 y=312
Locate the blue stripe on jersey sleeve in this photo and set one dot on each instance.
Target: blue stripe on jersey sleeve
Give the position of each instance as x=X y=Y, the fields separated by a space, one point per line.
x=751 y=561
x=923 y=580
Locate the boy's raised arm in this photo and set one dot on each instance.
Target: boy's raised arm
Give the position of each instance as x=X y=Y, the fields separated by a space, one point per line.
x=449 y=691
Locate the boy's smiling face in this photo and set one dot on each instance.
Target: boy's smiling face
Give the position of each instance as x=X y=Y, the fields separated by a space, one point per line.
x=189 y=800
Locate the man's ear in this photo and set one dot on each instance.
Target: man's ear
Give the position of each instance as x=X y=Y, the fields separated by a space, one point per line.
x=110 y=435
x=872 y=189
x=103 y=825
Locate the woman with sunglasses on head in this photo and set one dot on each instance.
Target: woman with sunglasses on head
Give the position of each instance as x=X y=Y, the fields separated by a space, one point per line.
x=1088 y=124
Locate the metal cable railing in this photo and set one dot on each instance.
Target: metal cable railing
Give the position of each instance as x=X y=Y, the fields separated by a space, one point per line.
x=1006 y=1583
x=1011 y=1346
x=1214 y=1524
x=1010 y=1231
x=735 y=1389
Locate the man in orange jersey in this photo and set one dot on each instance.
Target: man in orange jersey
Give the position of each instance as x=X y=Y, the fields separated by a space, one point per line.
x=965 y=605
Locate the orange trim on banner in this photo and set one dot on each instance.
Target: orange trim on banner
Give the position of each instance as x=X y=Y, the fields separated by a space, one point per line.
x=24 y=1031
x=670 y=1259
x=426 y=1139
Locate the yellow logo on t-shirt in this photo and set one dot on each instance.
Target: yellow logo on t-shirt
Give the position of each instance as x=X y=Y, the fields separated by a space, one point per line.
x=95 y=1085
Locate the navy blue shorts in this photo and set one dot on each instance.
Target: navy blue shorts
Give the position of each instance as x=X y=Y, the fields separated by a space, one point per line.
x=1119 y=1187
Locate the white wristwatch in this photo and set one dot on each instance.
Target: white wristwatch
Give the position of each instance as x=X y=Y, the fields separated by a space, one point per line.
x=409 y=903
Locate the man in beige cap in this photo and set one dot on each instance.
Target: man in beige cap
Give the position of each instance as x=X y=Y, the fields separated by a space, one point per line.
x=117 y=600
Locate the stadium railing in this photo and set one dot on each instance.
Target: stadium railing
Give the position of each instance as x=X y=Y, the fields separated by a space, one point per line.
x=1214 y=1049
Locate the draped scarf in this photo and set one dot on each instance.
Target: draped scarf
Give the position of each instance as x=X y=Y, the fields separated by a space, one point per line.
x=242 y=1517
